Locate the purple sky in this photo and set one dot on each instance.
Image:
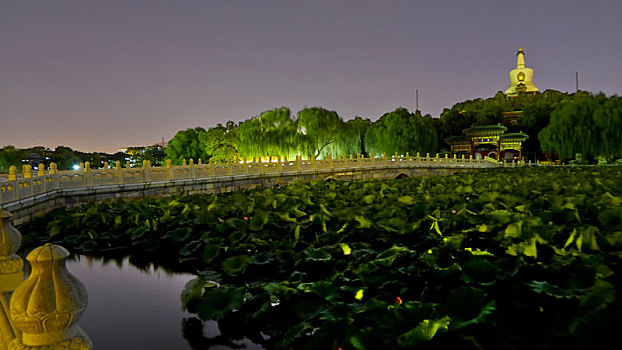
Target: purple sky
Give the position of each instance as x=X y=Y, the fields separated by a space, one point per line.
x=99 y=75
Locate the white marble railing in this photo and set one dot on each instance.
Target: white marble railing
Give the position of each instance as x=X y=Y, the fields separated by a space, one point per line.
x=14 y=186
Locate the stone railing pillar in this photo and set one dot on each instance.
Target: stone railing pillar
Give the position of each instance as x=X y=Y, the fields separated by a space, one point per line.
x=88 y=175
x=41 y=170
x=169 y=170
x=331 y=164
x=210 y=167
x=372 y=160
x=54 y=176
x=118 y=172
x=12 y=173
x=106 y=166
x=384 y=159
x=297 y=163
x=11 y=275
x=27 y=170
x=192 y=170
x=145 y=171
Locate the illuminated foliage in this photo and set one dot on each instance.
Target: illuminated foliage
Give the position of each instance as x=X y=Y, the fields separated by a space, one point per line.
x=272 y=133
x=402 y=132
x=186 y=144
x=588 y=124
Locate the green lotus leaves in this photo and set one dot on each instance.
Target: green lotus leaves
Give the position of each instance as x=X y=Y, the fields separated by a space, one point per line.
x=219 y=302
x=423 y=332
x=210 y=252
x=313 y=254
x=521 y=257
x=236 y=264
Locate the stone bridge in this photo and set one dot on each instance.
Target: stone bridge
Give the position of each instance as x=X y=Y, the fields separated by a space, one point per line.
x=30 y=194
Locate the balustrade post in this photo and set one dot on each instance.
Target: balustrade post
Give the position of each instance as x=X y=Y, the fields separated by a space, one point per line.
x=314 y=162
x=372 y=160
x=145 y=169
x=331 y=164
x=169 y=169
x=408 y=156
x=384 y=159
x=12 y=173
x=119 y=172
x=55 y=177
x=11 y=276
x=297 y=162
x=200 y=162
x=88 y=175
x=106 y=166
x=192 y=170
x=27 y=170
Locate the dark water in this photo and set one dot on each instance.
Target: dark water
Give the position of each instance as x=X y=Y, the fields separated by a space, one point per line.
x=140 y=308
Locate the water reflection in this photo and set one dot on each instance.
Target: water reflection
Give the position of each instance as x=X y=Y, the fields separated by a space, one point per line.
x=134 y=303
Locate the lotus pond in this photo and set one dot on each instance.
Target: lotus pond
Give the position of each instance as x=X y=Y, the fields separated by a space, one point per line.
x=495 y=259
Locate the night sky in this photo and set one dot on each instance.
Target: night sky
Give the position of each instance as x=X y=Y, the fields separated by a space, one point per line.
x=99 y=75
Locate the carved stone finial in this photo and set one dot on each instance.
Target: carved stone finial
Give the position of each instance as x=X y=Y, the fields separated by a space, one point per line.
x=11 y=265
x=49 y=302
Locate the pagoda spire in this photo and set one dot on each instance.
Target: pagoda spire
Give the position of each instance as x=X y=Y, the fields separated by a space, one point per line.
x=520 y=58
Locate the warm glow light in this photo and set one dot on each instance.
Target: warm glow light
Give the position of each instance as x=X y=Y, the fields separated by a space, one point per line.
x=76 y=167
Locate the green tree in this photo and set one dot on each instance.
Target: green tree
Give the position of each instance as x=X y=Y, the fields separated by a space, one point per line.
x=272 y=133
x=9 y=156
x=221 y=142
x=400 y=131
x=318 y=130
x=186 y=144
x=585 y=124
x=65 y=158
x=352 y=139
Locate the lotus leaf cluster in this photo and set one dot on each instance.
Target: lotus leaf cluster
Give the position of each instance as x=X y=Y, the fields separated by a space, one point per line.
x=496 y=259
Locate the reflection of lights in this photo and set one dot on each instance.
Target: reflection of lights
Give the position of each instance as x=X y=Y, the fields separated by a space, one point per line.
x=76 y=167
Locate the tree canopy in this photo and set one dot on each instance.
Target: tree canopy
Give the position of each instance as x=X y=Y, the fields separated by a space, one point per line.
x=400 y=131
x=588 y=124
x=187 y=144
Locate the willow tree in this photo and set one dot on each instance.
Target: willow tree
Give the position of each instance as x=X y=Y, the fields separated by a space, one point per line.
x=400 y=131
x=608 y=119
x=318 y=132
x=352 y=138
x=588 y=124
x=272 y=133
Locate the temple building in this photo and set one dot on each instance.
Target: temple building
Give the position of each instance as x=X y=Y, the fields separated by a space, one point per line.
x=488 y=141
x=520 y=77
